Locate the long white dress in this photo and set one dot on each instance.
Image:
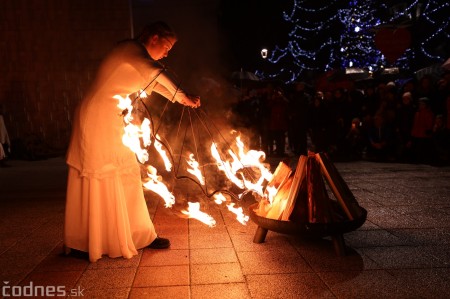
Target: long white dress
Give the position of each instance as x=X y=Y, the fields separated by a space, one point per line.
x=106 y=212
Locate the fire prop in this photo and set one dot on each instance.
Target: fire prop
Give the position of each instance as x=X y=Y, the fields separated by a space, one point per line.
x=244 y=170
x=300 y=203
x=295 y=202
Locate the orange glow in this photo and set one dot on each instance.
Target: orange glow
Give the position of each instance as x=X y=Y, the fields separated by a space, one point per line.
x=243 y=168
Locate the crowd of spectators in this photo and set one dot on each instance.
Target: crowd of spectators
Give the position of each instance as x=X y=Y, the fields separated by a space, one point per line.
x=407 y=122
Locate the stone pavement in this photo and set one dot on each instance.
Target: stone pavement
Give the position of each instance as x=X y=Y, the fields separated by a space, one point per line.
x=401 y=251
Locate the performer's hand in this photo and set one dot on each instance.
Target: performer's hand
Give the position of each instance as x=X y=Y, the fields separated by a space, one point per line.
x=192 y=101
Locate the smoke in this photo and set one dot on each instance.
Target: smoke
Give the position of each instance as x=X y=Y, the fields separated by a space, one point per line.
x=201 y=61
x=199 y=58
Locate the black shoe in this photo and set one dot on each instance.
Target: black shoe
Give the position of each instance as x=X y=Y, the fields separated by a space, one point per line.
x=159 y=243
x=74 y=253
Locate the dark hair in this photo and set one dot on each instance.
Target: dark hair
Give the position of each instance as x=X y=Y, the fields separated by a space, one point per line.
x=159 y=28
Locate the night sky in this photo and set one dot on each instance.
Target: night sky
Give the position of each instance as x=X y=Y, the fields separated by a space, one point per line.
x=251 y=25
x=217 y=37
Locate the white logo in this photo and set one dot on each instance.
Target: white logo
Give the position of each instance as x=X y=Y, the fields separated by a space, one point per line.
x=32 y=290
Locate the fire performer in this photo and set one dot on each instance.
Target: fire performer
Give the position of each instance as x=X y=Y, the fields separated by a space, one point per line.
x=106 y=212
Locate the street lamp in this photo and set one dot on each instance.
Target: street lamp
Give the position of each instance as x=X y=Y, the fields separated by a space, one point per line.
x=264 y=53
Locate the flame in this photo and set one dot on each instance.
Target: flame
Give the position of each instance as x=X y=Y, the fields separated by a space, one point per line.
x=124 y=103
x=132 y=132
x=271 y=191
x=193 y=211
x=156 y=185
x=250 y=159
x=253 y=158
x=138 y=139
x=240 y=216
x=162 y=153
x=219 y=198
x=142 y=93
x=225 y=166
x=146 y=132
x=194 y=170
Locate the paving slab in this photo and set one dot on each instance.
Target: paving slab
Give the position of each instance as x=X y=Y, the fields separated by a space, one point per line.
x=401 y=251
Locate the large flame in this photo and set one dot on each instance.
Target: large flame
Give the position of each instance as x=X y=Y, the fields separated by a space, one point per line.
x=250 y=159
x=225 y=167
x=156 y=185
x=138 y=139
x=194 y=169
x=163 y=154
x=133 y=132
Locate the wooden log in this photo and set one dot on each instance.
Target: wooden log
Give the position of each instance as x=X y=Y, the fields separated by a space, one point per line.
x=319 y=204
x=263 y=207
x=279 y=178
x=299 y=176
x=340 y=189
x=299 y=213
x=280 y=175
x=278 y=205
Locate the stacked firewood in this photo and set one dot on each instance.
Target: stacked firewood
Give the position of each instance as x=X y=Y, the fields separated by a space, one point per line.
x=302 y=196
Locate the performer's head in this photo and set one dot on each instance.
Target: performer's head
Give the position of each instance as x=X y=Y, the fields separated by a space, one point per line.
x=158 y=38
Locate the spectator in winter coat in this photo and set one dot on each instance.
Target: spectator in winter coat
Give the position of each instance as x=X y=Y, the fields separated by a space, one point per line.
x=421 y=133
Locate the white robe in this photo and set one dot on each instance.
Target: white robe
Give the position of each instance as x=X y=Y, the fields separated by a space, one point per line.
x=106 y=212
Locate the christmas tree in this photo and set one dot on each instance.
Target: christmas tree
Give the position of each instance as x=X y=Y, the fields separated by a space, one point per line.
x=335 y=34
x=431 y=31
x=314 y=40
x=357 y=39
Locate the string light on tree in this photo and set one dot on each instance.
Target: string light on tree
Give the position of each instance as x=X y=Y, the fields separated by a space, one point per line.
x=359 y=18
x=334 y=34
x=430 y=23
